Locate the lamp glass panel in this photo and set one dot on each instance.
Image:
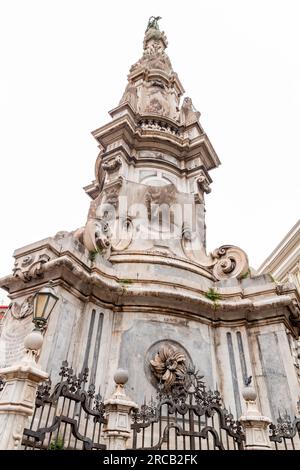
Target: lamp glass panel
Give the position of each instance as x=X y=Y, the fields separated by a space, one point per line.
x=40 y=304
x=52 y=301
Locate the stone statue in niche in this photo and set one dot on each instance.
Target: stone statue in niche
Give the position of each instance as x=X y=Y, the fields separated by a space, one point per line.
x=188 y=113
x=157 y=195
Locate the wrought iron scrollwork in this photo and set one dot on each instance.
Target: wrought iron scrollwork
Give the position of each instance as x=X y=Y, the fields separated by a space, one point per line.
x=193 y=415
x=67 y=414
x=286 y=432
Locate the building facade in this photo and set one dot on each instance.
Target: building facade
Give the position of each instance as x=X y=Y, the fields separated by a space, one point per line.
x=284 y=261
x=137 y=289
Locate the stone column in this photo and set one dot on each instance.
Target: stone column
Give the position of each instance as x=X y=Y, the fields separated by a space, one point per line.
x=118 y=408
x=255 y=425
x=17 y=398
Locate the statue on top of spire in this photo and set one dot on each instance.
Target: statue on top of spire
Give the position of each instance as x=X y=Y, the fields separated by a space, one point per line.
x=153 y=22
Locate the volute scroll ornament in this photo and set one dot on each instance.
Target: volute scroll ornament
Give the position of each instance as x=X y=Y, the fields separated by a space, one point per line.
x=97 y=235
x=230 y=261
x=112 y=165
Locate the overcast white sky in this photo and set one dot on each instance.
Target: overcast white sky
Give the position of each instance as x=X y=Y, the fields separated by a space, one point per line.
x=64 y=65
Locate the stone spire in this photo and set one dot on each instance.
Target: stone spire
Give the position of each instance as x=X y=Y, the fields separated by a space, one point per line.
x=155 y=154
x=153 y=87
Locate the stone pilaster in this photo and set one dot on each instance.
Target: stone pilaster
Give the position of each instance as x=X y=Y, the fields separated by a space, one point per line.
x=118 y=408
x=17 y=399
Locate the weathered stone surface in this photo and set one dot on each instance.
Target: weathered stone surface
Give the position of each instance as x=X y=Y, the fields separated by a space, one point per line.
x=122 y=293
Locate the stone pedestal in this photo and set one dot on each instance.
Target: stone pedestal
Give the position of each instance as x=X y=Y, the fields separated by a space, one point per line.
x=255 y=425
x=118 y=408
x=17 y=400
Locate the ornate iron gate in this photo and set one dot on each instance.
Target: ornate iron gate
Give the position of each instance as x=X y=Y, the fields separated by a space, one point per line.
x=187 y=417
x=69 y=417
x=285 y=435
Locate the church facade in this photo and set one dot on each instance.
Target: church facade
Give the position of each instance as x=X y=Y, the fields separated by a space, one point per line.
x=137 y=289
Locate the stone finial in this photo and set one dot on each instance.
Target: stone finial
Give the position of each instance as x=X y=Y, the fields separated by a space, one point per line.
x=121 y=377
x=249 y=394
x=17 y=398
x=34 y=340
x=255 y=425
x=32 y=344
x=118 y=408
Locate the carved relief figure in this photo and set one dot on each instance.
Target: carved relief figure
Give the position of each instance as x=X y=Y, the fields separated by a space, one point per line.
x=156 y=98
x=158 y=195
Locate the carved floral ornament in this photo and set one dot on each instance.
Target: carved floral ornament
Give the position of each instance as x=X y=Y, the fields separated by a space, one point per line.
x=23 y=310
x=169 y=366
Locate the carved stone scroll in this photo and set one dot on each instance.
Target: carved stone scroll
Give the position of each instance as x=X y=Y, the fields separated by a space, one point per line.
x=230 y=261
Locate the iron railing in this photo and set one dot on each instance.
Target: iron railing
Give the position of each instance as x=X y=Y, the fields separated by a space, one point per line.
x=285 y=434
x=188 y=417
x=69 y=417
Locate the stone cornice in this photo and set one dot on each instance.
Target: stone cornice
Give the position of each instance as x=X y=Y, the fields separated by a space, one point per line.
x=100 y=280
x=125 y=126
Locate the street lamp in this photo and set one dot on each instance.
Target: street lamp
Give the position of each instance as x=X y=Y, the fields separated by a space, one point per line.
x=44 y=301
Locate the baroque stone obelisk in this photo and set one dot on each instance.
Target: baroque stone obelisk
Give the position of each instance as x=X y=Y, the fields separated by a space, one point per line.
x=137 y=288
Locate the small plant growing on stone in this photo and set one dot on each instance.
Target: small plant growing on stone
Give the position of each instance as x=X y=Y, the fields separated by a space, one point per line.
x=94 y=253
x=212 y=295
x=57 y=444
x=125 y=281
x=245 y=275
